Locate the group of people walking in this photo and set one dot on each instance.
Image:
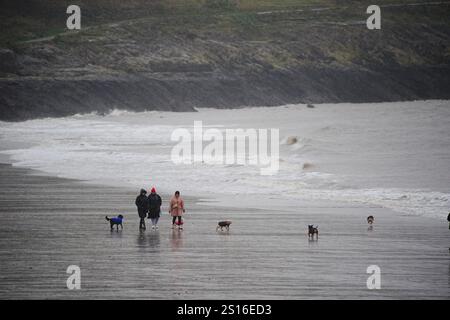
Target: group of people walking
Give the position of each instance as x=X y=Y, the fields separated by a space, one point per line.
x=150 y=207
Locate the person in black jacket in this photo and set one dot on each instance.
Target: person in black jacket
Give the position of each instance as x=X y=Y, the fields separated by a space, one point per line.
x=154 y=205
x=448 y=219
x=142 y=207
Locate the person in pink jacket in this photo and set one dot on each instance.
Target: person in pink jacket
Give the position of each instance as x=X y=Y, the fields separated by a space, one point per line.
x=176 y=210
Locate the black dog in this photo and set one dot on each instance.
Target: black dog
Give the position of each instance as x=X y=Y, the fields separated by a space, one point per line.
x=313 y=231
x=115 y=221
x=223 y=224
x=370 y=220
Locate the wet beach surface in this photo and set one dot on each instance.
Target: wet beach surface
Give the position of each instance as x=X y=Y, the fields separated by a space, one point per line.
x=48 y=224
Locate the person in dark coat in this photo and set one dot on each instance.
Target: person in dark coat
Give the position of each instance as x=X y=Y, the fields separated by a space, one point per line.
x=142 y=207
x=448 y=219
x=154 y=205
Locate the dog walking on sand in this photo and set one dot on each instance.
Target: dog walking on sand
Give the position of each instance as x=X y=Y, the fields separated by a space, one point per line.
x=116 y=221
x=223 y=224
x=313 y=231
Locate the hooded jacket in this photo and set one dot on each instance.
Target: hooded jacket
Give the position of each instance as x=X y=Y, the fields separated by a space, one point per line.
x=142 y=204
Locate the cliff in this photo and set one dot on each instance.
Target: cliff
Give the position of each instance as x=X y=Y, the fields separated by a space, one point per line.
x=178 y=55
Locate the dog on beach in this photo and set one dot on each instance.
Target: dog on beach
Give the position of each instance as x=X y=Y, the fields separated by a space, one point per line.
x=313 y=231
x=223 y=224
x=115 y=221
x=370 y=220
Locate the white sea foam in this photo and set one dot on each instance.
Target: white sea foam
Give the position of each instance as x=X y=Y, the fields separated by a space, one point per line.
x=395 y=155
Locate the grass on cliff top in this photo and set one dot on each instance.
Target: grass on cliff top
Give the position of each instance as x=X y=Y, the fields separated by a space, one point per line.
x=22 y=20
x=297 y=34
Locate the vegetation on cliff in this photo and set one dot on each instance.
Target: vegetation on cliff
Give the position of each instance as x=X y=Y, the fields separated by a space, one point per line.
x=178 y=55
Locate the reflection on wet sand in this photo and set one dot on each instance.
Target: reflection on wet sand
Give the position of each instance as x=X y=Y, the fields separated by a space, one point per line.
x=176 y=239
x=154 y=239
x=265 y=256
x=141 y=239
x=448 y=276
x=148 y=239
x=114 y=234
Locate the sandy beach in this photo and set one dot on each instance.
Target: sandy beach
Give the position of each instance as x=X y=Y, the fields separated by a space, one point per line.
x=50 y=223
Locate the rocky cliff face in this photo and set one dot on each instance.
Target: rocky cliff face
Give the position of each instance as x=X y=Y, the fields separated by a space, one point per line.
x=229 y=57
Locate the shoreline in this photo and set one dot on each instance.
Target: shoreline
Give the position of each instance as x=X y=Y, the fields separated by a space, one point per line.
x=350 y=158
x=266 y=255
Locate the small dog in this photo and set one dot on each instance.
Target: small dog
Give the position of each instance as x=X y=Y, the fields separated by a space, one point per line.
x=370 y=220
x=313 y=231
x=115 y=221
x=223 y=224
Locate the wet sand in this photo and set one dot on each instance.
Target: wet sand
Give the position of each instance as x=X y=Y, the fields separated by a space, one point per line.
x=48 y=224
